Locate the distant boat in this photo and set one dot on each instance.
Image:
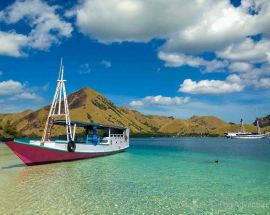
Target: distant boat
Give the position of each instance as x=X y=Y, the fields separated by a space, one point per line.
x=243 y=134
x=93 y=140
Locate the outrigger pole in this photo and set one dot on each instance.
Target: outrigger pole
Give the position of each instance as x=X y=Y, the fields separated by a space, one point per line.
x=56 y=110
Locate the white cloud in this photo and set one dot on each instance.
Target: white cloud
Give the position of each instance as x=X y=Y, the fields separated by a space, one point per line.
x=106 y=63
x=136 y=103
x=28 y=96
x=234 y=78
x=12 y=43
x=47 y=27
x=240 y=67
x=13 y=90
x=246 y=74
x=139 y=21
x=263 y=83
x=211 y=25
x=220 y=25
x=177 y=60
x=247 y=50
x=210 y=87
x=159 y=100
x=10 y=87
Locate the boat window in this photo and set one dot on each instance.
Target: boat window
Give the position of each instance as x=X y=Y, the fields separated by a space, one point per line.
x=117 y=131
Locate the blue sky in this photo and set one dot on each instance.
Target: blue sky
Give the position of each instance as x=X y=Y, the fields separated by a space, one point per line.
x=174 y=58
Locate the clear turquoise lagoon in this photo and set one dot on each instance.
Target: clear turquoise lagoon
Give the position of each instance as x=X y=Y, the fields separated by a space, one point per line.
x=155 y=176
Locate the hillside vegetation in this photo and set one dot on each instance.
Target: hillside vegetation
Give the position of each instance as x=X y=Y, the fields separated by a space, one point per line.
x=90 y=106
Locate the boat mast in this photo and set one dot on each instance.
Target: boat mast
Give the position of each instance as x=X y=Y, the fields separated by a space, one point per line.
x=242 y=126
x=56 y=110
x=258 y=127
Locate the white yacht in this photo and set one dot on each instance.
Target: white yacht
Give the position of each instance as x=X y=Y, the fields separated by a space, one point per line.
x=243 y=134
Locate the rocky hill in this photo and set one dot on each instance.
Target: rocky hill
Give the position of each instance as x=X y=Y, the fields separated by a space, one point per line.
x=264 y=121
x=90 y=106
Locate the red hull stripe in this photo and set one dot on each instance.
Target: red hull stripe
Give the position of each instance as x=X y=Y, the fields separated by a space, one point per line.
x=32 y=155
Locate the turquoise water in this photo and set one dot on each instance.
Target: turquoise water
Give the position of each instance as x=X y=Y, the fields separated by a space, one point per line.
x=155 y=176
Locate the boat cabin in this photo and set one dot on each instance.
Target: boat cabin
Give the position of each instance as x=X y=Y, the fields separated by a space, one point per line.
x=93 y=133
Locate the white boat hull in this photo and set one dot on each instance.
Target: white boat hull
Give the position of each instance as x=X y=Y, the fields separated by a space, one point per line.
x=247 y=136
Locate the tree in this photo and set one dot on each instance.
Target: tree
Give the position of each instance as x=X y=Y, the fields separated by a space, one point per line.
x=11 y=130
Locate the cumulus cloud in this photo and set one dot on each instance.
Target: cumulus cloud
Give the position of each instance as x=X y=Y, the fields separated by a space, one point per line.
x=136 y=103
x=210 y=87
x=248 y=75
x=219 y=26
x=139 y=21
x=47 y=27
x=10 y=87
x=233 y=83
x=177 y=59
x=240 y=67
x=263 y=83
x=247 y=50
x=159 y=100
x=12 y=43
x=28 y=96
x=211 y=24
x=17 y=90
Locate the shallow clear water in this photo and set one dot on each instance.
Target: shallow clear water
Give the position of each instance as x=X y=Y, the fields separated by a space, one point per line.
x=155 y=176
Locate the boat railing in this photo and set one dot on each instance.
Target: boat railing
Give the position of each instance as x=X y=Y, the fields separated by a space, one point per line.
x=117 y=135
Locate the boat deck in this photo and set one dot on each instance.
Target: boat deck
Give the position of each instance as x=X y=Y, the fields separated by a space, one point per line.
x=83 y=147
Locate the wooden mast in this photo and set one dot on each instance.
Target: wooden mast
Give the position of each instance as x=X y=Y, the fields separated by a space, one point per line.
x=59 y=99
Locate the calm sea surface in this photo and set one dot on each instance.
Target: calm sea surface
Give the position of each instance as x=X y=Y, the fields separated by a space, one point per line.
x=155 y=176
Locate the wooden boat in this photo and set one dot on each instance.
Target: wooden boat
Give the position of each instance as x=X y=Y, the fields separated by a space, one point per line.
x=94 y=140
